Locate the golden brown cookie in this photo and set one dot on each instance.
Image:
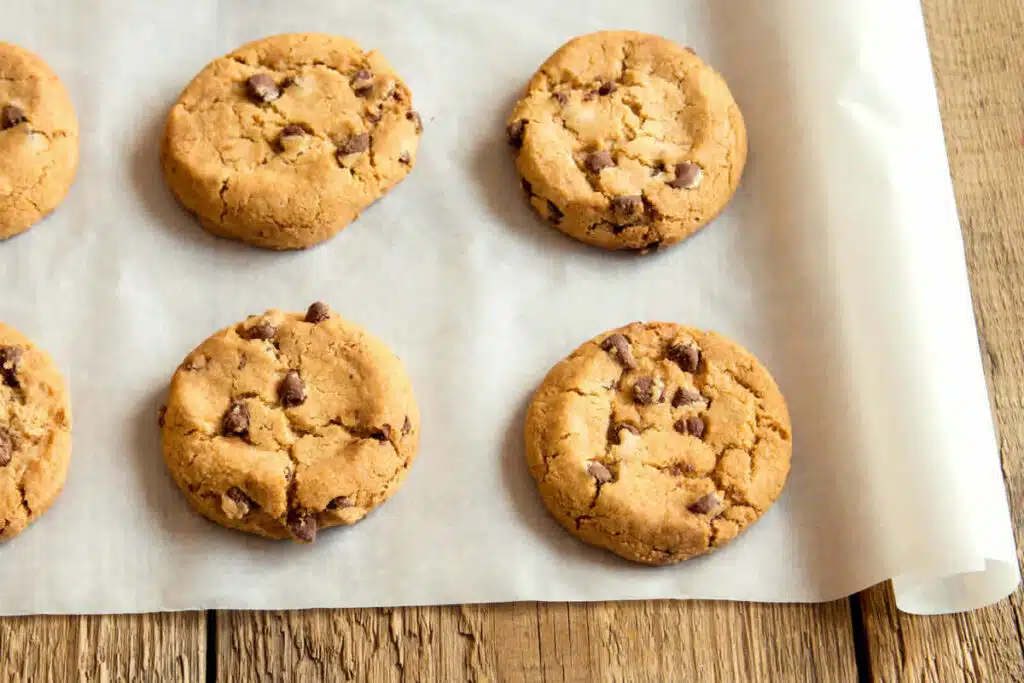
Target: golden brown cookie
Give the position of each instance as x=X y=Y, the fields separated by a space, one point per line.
x=288 y=423
x=38 y=140
x=627 y=140
x=286 y=140
x=658 y=442
x=35 y=432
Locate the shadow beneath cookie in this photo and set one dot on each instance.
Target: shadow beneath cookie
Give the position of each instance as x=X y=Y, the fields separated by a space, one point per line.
x=158 y=200
x=522 y=492
x=166 y=504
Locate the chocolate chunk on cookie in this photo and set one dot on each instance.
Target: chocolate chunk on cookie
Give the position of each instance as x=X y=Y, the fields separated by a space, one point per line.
x=636 y=139
x=38 y=140
x=35 y=432
x=298 y=438
x=658 y=481
x=318 y=130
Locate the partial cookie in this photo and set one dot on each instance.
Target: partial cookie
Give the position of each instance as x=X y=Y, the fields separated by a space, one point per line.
x=658 y=442
x=35 y=432
x=627 y=140
x=288 y=423
x=285 y=141
x=38 y=140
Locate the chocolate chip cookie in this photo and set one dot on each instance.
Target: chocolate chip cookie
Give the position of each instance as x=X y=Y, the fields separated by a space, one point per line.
x=658 y=442
x=286 y=140
x=627 y=140
x=35 y=432
x=38 y=140
x=288 y=423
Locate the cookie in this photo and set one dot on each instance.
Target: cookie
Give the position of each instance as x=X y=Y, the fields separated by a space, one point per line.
x=38 y=140
x=288 y=423
x=285 y=141
x=35 y=432
x=658 y=442
x=627 y=140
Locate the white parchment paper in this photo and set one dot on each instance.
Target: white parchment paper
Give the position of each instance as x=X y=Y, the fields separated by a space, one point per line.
x=840 y=264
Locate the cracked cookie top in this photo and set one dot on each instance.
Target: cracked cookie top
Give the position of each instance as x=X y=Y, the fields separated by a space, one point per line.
x=283 y=142
x=288 y=423
x=35 y=432
x=38 y=140
x=627 y=140
x=658 y=442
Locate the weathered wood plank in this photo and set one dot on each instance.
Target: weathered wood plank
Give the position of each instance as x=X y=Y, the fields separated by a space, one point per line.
x=564 y=643
x=161 y=648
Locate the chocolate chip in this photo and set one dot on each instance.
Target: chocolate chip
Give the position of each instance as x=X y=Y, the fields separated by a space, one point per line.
x=242 y=503
x=339 y=503
x=10 y=358
x=292 y=390
x=554 y=213
x=688 y=176
x=515 y=132
x=614 y=431
x=687 y=48
x=382 y=434
x=691 y=426
x=561 y=97
x=706 y=504
x=647 y=390
x=620 y=347
x=6 y=447
x=374 y=117
x=685 y=355
x=600 y=473
x=598 y=161
x=407 y=425
x=318 y=312
x=417 y=119
x=292 y=129
x=12 y=116
x=684 y=397
x=236 y=420
x=362 y=82
x=404 y=158
x=357 y=144
x=627 y=205
x=161 y=416
x=680 y=468
x=302 y=525
x=262 y=89
x=262 y=330
x=607 y=88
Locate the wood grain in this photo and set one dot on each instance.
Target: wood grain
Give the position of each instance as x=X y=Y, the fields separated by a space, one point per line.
x=557 y=643
x=159 y=648
x=979 y=69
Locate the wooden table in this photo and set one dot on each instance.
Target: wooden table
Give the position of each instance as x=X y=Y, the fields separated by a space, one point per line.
x=979 y=66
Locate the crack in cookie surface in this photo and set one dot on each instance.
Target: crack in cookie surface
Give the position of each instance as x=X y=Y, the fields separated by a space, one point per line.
x=650 y=106
x=690 y=432
x=38 y=140
x=318 y=427
x=35 y=432
x=289 y=191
